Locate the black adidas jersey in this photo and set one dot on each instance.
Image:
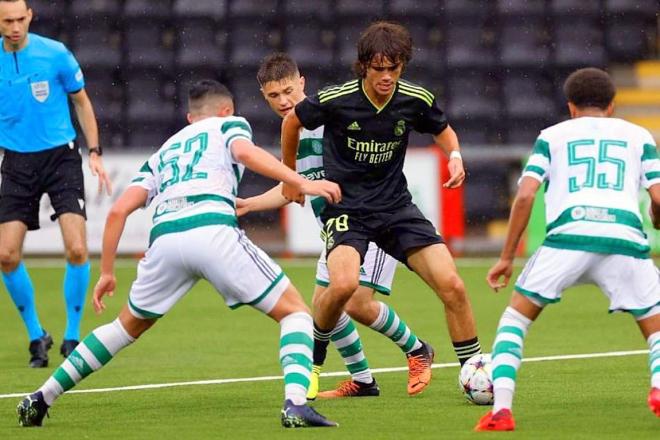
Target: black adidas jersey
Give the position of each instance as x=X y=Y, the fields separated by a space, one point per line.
x=364 y=147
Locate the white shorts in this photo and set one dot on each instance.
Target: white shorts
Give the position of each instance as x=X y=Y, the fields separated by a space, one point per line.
x=631 y=284
x=240 y=271
x=376 y=272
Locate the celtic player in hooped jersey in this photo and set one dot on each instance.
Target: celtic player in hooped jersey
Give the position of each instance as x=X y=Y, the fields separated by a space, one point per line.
x=593 y=167
x=367 y=122
x=192 y=179
x=283 y=88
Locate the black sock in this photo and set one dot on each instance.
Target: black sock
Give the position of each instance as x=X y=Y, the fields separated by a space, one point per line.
x=466 y=349
x=321 y=341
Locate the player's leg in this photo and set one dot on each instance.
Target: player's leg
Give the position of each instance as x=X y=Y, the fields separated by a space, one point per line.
x=76 y=277
x=93 y=352
x=650 y=327
x=65 y=186
x=349 y=345
x=436 y=267
x=545 y=276
x=244 y=275
x=20 y=288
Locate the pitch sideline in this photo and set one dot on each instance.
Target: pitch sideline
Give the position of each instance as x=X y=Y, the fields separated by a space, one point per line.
x=329 y=374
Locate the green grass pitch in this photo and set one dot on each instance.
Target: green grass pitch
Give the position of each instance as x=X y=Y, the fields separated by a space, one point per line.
x=201 y=339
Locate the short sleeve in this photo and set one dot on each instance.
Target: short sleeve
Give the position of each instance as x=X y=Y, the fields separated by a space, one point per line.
x=70 y=73
x=311 y=112
x=650 y=164
x=538 y=163
x=431 y=119
x=147 y=179
x=236 y=128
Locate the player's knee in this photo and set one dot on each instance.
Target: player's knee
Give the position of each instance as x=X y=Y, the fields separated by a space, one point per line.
x=453 y=293
x=358 y=308
x=344 y=286
x=77 y=254
x=9 y=259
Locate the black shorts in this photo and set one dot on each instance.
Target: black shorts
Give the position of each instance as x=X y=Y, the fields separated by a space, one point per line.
x=395 y=232
x=27 y=176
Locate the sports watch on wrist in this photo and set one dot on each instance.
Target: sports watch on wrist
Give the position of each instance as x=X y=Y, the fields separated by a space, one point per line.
x=98 y=150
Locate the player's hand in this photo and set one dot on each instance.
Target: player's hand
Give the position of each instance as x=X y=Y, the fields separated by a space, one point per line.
x=105 y=285
x=655 y=220
x=292 y=194
x=503 y=268
x=456 y=173
x=242 y=206
x=96 y=167
x=324 y=188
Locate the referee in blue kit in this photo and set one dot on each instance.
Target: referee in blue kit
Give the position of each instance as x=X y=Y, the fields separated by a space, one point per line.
x=37 y=75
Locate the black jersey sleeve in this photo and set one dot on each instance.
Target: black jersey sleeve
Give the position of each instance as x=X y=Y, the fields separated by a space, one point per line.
x=430 y=119
x=311 y=112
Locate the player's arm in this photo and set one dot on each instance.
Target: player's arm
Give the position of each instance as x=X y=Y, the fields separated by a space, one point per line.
x=85 y=114
x=448 y=141
x=268 y=201
x=133 y=198
x=518 y=219
x=291 y=127
x=264 y=163
x=654 y=192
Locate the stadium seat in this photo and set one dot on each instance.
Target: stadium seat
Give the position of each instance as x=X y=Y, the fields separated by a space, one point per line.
x=310 y=44
x=400 y=9
x=47 y=28
x=348 y=33
x=575 y=7
x=213 y=9
x=579 y=42
x=97 y=45
x=95 y=10
x=250 y=42
x=629 y=39
x=150 y=9
x=47 y=9
x=528 y=96
x=646 y=7
x=148 y=135
x=470 y=9
x=106 y=93
x=149 y=44
x=304 y=10
x=200 y=42
x=524 y=44
x=473 y=96
x=366 y=9
x=521 y=7
x=470 y=44
x=150 y=97
x=257 y=9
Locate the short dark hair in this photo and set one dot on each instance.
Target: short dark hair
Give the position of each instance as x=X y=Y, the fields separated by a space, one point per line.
x=589 y=87
x=384 y=38
x=276 y=67
x=204 y=89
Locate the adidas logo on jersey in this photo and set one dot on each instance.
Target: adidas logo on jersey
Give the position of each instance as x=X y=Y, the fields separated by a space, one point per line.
x=354 y=126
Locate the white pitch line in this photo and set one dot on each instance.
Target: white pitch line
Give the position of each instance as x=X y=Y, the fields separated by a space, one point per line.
x=330 y=374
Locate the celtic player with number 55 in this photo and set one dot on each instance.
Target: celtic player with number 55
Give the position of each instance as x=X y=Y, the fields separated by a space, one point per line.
x=593 y=167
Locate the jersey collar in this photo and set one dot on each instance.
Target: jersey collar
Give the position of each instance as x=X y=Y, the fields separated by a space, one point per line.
x=381 y=108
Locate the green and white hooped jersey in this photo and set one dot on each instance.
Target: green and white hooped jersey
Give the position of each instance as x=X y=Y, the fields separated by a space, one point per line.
x=593 y=168
x=309 y=163
x=193 y=178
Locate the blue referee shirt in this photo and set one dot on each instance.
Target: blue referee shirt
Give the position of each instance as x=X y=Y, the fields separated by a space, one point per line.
x=34 y=87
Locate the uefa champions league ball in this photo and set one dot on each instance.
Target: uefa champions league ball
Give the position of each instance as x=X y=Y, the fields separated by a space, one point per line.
x=476 y=379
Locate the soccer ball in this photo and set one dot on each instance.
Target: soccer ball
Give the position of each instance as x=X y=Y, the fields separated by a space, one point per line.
x=476 y=379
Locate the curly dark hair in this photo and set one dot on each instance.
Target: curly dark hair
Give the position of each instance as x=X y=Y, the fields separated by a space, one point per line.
x=385 y=38
x=589 y=87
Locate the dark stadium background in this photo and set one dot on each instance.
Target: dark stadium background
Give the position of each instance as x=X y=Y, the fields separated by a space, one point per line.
x=495 y=66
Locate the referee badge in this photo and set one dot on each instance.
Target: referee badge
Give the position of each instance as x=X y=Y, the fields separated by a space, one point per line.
x=40 y=90
x=400 y=128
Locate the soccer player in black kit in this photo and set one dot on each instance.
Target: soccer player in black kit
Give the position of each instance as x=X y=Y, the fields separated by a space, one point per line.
x=367 y=122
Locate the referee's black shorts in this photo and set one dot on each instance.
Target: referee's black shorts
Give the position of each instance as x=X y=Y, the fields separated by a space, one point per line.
x=27 y=176
x=396 y=232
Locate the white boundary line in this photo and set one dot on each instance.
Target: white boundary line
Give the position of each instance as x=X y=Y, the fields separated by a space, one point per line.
x=333 y=373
